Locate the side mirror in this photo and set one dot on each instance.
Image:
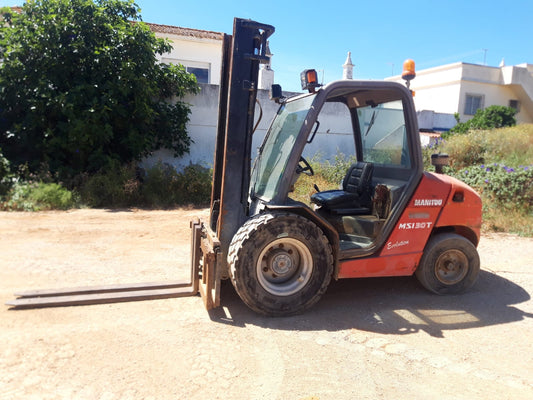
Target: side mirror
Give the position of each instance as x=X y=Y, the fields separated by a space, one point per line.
x=276 y=93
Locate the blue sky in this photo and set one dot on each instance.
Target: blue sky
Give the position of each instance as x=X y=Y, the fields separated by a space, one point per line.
x=380 y=34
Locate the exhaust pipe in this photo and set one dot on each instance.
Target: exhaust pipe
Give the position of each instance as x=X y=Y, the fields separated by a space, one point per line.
x=439 y=161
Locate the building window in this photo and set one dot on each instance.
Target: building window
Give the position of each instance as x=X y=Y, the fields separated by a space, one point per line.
x=515 y=104
x=473 y=103
x=202 y=74
x=198 y=69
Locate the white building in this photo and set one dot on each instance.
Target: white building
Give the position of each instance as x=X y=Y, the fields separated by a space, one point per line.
x=199 y=51
x=464 y=88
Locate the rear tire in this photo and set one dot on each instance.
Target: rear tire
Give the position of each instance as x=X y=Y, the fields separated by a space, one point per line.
x=449 y=265
x=280 y=263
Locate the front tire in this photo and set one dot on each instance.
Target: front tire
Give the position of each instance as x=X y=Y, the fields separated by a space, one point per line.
x=280 y=263
x=449 y=265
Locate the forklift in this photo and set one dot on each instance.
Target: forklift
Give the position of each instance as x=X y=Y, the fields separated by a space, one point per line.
x=387 y=218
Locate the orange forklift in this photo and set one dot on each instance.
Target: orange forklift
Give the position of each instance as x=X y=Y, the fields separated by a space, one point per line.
x=387 y=218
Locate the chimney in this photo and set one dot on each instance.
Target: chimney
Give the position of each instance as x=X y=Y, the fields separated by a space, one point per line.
x=266 y=73
x=347 y=68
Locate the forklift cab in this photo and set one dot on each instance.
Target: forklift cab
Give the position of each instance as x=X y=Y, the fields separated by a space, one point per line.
x=380 y=136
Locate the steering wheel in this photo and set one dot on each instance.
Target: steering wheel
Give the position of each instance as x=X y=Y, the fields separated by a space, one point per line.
x=305 y=169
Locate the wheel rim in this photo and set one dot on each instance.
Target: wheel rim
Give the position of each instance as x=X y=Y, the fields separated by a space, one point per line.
x=284 y=267
x=451 y=267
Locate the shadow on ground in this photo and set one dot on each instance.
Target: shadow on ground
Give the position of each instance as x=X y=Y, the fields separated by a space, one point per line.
x=397 y=306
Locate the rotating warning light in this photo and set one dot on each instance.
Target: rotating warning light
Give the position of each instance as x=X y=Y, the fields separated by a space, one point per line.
x=408 y=70
x=309 y=78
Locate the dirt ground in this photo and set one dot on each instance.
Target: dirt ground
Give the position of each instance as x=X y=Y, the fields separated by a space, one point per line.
x=366 y=339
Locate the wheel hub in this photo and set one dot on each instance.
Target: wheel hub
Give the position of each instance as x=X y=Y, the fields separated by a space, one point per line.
x=284 y=267
x=451 y=267
x=281 y=263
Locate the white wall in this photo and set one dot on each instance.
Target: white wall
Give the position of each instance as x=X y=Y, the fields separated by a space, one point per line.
x=333 y=136
x=430 y=120
x=441 y=99
x=202 y=128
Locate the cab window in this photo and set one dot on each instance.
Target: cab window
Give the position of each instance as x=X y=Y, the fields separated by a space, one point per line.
x=383 y=134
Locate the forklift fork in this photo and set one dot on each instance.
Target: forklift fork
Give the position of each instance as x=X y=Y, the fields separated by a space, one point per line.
x=205 y=279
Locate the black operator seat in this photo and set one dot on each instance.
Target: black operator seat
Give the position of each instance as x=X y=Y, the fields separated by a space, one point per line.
x=355 y=198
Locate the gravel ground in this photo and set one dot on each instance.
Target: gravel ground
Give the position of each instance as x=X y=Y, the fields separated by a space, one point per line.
x=366 y=339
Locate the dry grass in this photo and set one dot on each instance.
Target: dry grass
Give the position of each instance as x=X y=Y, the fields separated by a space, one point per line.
x=510 y=146
x=498 y=219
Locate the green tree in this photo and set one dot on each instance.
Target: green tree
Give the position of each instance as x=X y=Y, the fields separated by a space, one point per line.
x=489 y=118
x=81 y=89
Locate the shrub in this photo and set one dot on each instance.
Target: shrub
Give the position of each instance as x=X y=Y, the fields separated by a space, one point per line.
x=488 y=118
x=164 y=187
x=510 y=188
x=160 y=186
x=51 y=196
x=37 y=196
x=508 y=146
x=116 y=187
x=466 y=150
x=497 y=163
x=511 y=145
x=194 y=185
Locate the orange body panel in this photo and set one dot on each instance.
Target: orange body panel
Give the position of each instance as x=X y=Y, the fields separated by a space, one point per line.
x=465 y=213
x=376 y=266
x=439 y=201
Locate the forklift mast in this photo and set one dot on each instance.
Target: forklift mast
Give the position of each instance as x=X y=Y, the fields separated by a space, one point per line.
x=242 y=54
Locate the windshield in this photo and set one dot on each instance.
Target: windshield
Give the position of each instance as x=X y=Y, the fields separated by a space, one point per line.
x=277 y=147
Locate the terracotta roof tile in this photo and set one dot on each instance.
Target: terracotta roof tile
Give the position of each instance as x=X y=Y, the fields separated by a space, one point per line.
x=177 y=30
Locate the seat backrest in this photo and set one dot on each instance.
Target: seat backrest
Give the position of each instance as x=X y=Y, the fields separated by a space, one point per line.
x=358 y=178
